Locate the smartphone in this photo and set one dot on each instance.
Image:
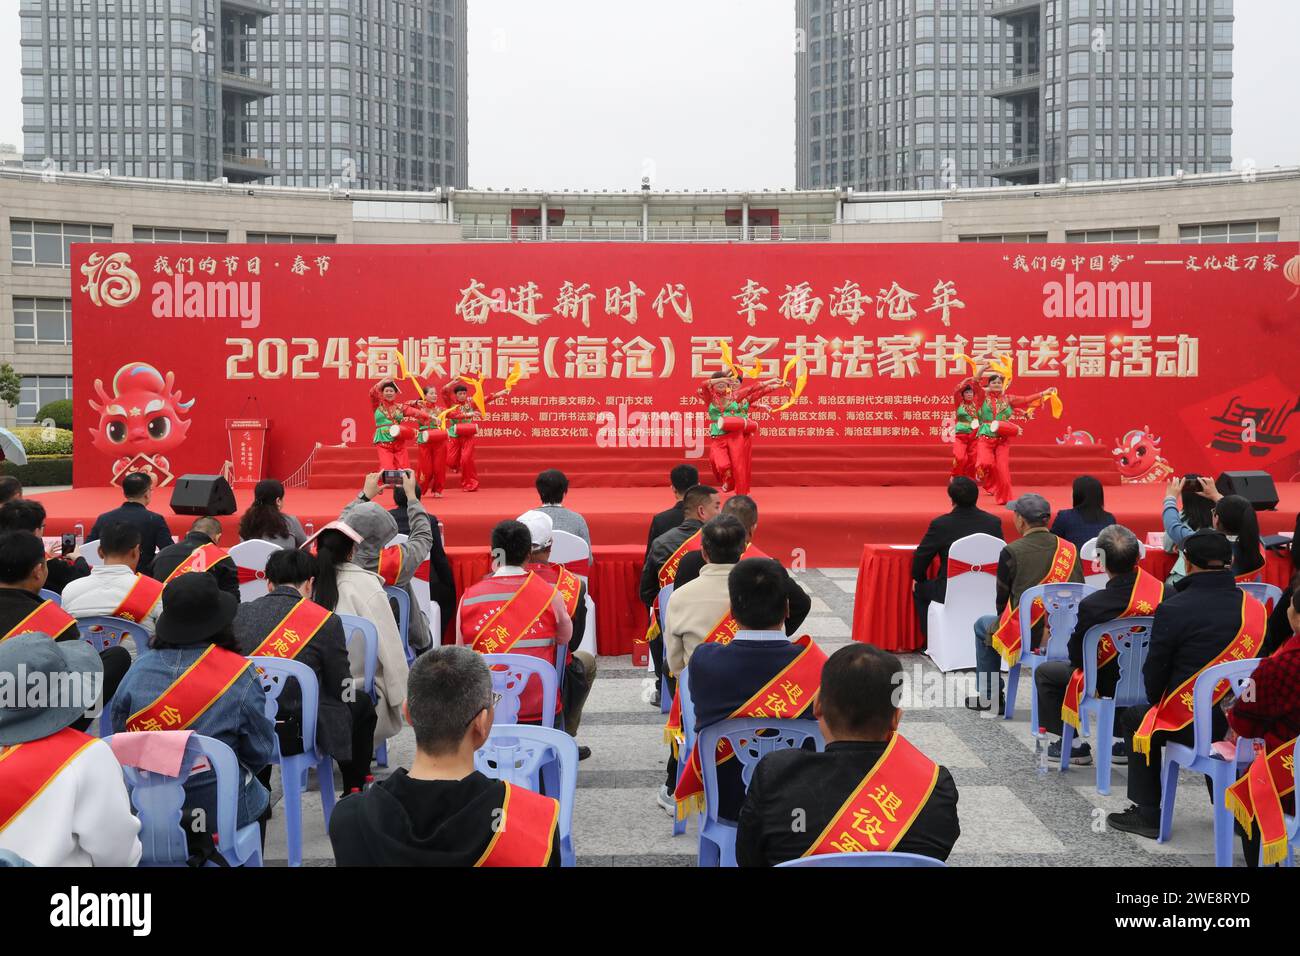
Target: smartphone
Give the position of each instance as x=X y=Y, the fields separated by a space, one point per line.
x=393 y=478
x=69 y=543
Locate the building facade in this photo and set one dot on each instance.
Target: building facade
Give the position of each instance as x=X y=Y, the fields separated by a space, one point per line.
x=925 y=94
x=370 y=95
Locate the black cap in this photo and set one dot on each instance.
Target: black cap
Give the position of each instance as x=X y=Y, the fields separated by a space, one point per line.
x=195 y=610
x=1208 y=549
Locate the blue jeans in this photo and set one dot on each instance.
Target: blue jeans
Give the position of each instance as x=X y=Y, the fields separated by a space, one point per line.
x=988 y=662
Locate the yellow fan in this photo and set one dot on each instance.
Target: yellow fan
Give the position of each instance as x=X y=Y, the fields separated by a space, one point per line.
x=477 y=384
x=515 y=377
x=401 y=365
x=800 y=383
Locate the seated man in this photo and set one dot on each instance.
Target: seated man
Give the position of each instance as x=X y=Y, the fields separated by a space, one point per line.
x=964 y=519
x=28 y=514
x=581 y=667
x=515 y=611
x=62 y=798
x=1129 y=592
x=1208 y=620
x=682 y=478
x=286 y=623
x=1036 y=557
x=760 y=673
x=552 y=486
x=10 y=488
x=865 y=756
x=443 y=812
x=23 y=610
x=137 y=490
x=114 y=589
x=199 y=550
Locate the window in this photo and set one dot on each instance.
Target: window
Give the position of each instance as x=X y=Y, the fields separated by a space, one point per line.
x=159 y=234
x=39 y=390
x=1143 y=235
x=1007 y=237
x=1264 y=230
x=48 y=243
x=287 y=237
x=43 y=321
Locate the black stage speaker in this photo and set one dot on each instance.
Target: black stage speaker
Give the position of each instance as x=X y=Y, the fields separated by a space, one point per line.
x=200 y=495
x=1255 y=486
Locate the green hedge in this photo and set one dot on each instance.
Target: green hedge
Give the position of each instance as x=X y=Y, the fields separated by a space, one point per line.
x=38 y=472
x=60 y=412
x=37 y=440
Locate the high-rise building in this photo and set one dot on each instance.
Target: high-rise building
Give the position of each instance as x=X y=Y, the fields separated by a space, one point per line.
x=370 y=94
x=918 y=94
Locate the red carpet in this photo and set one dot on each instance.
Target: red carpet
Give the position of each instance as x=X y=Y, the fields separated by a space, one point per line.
x=828 y=526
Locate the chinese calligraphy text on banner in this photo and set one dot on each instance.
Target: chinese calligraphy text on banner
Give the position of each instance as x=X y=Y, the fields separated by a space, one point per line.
x=1182 y=354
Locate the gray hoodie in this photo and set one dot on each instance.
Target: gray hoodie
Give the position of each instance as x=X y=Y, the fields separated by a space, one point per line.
x=377 y=527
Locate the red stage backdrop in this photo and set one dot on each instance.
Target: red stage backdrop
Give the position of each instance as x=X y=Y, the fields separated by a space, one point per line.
x=1180 y=357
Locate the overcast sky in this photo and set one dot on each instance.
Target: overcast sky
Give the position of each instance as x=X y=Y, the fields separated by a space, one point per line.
x=698 y=93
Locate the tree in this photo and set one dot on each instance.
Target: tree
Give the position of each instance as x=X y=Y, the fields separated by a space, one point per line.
x=11 y=385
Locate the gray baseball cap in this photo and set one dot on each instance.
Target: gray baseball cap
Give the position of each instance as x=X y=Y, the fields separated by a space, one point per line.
x=1031 y=507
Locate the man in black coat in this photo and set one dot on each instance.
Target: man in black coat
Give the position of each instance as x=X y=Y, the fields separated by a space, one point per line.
x=137 y=488
x=683 y=478
x=964 y=519
x=204 y=531
x=1192 y=627
x=345 y=721
x=856 y=712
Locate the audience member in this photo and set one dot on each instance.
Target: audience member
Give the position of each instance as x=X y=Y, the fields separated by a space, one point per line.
x=552 y=486
x=193 y=677
x=682 y=479
x=341 y=585
x=1129 y=592
x=1036 y=557
x=442 y=583
x=1204 y=622
x=199 y=550
x=514 y=611
x=114 y=588
x=265 y=521
x=62 y=798
x=1083 y=522
x=137 y=489
x=838 y=791
x=1197 y=513
x=395 y=564
x=443 y=812
x=28 y=514
x=760 y=673
x=963 y=520
x=10 y=488
x=1235 y=517
x=287 y=623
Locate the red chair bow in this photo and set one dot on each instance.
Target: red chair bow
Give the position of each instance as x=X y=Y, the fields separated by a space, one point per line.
x=248 y=575
x=957 y=566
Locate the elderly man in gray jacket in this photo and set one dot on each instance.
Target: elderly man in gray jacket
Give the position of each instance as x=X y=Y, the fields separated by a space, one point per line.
x=377 y=527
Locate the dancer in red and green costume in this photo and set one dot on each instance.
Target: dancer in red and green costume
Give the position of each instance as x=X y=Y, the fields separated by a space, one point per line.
x=998 y=417
x=464 y=399
x=431 y=445
x=396 y=425
x=970 y=397
x=731 y=430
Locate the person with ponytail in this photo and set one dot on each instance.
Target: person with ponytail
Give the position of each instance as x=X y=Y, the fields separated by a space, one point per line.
x=265 y=521
x=348 y=589
x=1235 y=517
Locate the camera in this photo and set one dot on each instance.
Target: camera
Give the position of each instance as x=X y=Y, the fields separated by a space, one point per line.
x=68 y=544
x=392 y=478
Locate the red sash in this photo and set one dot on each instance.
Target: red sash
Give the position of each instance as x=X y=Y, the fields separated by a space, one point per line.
x=1257 y=798
x=879 y=812
x=1174 y=712
x=390 y=565
x=525 y=830
x=566 y=583
x=200 y=559
x=1147 y=593
x=48 y=618
x=27 y=769
x=667 y=574
x=503 y=629
x=1006 y=639
x=140 y=600
x=191 y=694
x=724 y=632
x=788 y=694
x=294 y=631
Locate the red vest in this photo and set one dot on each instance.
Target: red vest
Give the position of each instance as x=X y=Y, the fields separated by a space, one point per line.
x=538 y=640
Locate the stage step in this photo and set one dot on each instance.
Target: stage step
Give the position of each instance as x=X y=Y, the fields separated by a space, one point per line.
x=810 y=464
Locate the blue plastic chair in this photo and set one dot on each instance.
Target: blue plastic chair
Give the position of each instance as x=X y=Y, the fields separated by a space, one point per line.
x=864 y=859
x=353 y=627
x=159 y=801
x=521 y=753
x=1061 y=602
x=718 y=837
x=665 y=698
x=402 y=600
x=1268 y=595
x=510 y=676
x=686 y=740
x=1201 y=758
x=101 y=633
x=54 y=596
x=274 y=673
x=1132 y=638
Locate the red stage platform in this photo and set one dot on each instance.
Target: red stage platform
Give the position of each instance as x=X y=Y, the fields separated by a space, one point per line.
x=829 y=525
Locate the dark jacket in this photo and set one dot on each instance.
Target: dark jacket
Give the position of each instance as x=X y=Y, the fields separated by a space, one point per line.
x=170 y=557
x=326 y=654
x=1192 y=627
x=818 y=784
x=16 y=604
x=63 y=571
x=406 y=822
x=800 y=602
x=1024 y=563
x=664 y=521
x=661 y=549
x=442 y=585
x=1098 y=608
x=1076 y=529
x=724 y=676
x=154 y=533
x=939 y=537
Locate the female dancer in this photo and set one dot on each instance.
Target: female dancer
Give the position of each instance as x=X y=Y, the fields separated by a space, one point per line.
x=998 y=415
x=466 y=405
x=731 y=430
x=395 y=426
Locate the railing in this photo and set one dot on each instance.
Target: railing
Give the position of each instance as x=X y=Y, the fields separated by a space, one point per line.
x=1024 y=80
x=501 y=232
x=300 y=477
x=1016 y=162
x=245 y=79
x=1001 y=6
